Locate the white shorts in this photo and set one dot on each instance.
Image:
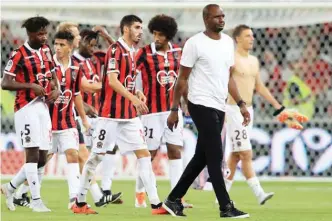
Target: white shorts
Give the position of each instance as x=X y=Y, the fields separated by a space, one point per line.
x=33 y=125
x=88 y=138
x=157 y=133
x=128 y=135
x=64 y=140
x=237 y=135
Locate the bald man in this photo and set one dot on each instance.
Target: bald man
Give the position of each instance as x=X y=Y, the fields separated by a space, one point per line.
x=207 y=60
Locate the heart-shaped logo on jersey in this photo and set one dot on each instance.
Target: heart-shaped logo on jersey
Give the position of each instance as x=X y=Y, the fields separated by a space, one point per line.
x=64 y=98
x=164 y=78
x=129 y=83
x=41 y=78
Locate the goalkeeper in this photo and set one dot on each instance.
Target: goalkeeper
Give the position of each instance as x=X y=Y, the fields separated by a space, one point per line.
x=247 y=77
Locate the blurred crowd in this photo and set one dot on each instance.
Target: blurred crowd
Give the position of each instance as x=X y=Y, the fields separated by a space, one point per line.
x=296 y=65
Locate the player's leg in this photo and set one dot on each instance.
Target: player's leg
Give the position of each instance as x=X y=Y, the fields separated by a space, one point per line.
x=104 y=135
x=108 y=169
x=232 y=162
x=174 y=144
x=153 y=130
x=252 y=180
x=241 y=148
x=83 y=155
x=131 y=138
x=21 y=197
x=69 y=144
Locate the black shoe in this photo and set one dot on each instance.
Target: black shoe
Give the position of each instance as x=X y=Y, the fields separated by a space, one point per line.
x=174 y=208
x=24 y=201
x=112 y=198
x=102 y=202
x=231 y=212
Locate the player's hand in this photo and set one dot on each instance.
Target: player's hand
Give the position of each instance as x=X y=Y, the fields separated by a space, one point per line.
x=173 y=120
x=246 y=115
x=291 y=118
x=101 y=30
x=140 y=106
x=90 y=111
x=141 y=96
x=52 y=96
x=39 y=90
x=87 y=126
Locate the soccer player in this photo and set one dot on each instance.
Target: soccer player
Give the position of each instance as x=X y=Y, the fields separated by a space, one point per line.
x=158 y=64
x=247 y=77
x=118 y=121
x=30 y=72
x=92 y=66
x=207 y=60
x=65 y=135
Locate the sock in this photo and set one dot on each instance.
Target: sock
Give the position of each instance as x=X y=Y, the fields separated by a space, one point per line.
x=21 y=190
x=31 y=172
x=108 y=167
x=139 y=185
x=255 y=186
x=73 y=178
x=175 y=171
x=17 y=180
x=87 y=176
x=148 y=178
x=228 y=184
x=96 y=192
x=41 y=171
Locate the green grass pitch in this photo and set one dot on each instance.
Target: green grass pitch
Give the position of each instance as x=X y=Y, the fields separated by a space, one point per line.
x=293 y=201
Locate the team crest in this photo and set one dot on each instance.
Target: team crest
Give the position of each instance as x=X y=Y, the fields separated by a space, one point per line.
x=27 y=139
x=99 y=144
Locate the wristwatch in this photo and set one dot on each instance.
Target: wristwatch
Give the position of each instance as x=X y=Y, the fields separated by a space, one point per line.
x=176 y=109
x=240 y=103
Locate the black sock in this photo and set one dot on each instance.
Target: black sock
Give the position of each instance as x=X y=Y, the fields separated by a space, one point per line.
x=156 y=206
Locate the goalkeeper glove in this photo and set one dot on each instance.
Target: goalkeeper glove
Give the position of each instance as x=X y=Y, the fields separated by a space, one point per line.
x=291 y=118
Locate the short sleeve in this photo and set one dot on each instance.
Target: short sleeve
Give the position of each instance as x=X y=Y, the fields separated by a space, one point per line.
x=189 y=53
x=140 y=59
x=13 y=65
x=113 y=58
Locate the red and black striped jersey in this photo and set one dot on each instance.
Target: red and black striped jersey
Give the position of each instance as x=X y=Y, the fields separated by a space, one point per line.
x=120 y=58
x=159 y=74
x=92 y=68
x=28 y=65
x=61 y=111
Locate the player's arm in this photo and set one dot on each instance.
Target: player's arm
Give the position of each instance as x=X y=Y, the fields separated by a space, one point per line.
x=104 y=34
x=262 y=90
x=78 y=101
x=86 y=86
x=90 y=87
x=13 y=68
x=140 y=70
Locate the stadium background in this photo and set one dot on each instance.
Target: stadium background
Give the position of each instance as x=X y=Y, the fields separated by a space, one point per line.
x=287 y=34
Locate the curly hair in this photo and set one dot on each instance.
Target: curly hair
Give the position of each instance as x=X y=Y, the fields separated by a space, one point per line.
x=164 y=24
x=34 y=24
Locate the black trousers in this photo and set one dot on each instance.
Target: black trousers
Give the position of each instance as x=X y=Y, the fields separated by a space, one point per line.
x=209 y=123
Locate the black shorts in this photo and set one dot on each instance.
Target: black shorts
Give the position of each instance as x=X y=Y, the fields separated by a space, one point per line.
x=80 y=134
